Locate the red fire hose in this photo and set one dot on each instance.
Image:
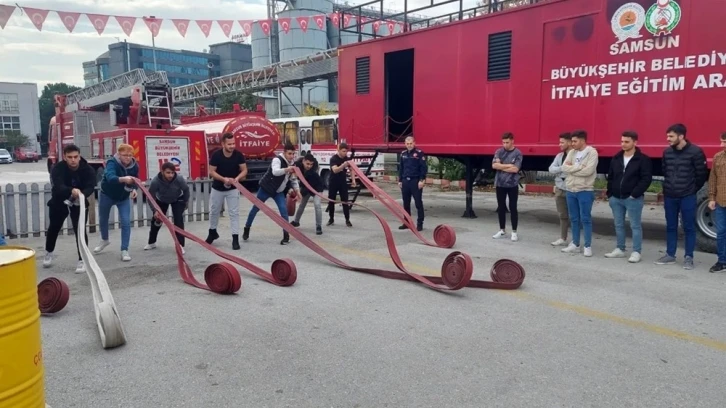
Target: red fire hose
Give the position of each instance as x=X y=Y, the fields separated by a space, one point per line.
x=222 y=277
x=53 y=295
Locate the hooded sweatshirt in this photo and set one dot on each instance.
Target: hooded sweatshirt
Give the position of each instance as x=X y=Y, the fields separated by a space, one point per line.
x=64 y=180
x=170 y=191
x=111 y=186
x=580 y=167
x=311 y=176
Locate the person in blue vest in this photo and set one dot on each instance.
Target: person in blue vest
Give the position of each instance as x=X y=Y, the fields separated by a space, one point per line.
x=412 y=172
x=274 y=184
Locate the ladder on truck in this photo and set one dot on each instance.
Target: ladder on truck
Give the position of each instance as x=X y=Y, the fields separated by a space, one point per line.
x=367 y=172
x=157 y=99
x=109 y=91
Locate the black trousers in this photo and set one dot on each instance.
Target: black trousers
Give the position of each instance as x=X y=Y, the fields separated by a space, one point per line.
x=409 y=188
x=57 y=213
x=177 y=211
x=502 y=194
x=333 y=190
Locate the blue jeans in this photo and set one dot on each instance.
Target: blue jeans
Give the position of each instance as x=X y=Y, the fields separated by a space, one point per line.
x=634 y=208
x=686 y=206
x=579 y=206
x=124 y=217
x=2 y=239
x=263 y=196
x=720 y=233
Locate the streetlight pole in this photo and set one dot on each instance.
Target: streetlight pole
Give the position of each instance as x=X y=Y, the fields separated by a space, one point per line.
x=210 y=66
x=153 y=43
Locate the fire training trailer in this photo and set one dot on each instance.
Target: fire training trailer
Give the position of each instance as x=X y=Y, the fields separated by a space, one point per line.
x=538 y=70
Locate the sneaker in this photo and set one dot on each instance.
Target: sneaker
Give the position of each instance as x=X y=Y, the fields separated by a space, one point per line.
x=125 y=256
x=634 y=257
x=571 y=249
x=587 y=252
x=348 y=224
x=183 y=251
x=559 y=242
x=319 y=230
x=717 y=267
x=101 y=246
x=295 y=224
x=515 y=237
x=688 y=263
x=499 y=234
x=666 y=260
x=149 y=246
x=80 y=268
x=48 y=260
x=616 y=253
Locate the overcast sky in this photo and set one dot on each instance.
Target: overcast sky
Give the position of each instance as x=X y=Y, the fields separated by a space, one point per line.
x=55 y=55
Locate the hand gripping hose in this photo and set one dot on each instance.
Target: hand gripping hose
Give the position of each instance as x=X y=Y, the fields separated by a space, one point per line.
x=107 y=318
x=222 y=277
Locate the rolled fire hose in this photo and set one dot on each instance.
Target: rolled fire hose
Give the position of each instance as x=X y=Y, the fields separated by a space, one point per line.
x=222 y=277
x=107 y=318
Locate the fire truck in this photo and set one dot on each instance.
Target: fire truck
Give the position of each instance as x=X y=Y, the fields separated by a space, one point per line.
x=133 y=108
x=538 y=70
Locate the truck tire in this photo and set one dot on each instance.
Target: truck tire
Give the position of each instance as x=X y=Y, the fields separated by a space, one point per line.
x=325 y=175
x=705 y=224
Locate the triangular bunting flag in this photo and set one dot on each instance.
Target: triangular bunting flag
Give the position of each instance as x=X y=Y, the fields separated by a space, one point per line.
x=226 y=26
x=246 y=26
x=154 y=25
x=98 y=21
x=36 y=16
x=284 y=23
x=320 y=20
x=303 y=23
x=126 y=23
x=265 y=26
x=5 y=13
x=182 y=25
x=69 y=19
x=205 y=26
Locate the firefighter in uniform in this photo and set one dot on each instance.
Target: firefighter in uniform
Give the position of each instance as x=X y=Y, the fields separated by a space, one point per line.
x=412 y=172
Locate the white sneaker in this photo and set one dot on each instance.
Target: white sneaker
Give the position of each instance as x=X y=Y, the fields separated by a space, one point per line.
x=588 y=251
x=149 y=246
x=499 y=234
x=80 y=268
x=571 y=249
x=48 y=260
x=559 y=242
x=514 y=237
x=183 y=251
x=634 y=257
x=125 y=256
x=103 y=244
x=616 y=253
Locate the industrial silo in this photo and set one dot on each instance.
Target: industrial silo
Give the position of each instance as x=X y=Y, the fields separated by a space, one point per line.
x=262 y=44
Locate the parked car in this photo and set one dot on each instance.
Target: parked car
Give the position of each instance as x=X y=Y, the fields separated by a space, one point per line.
x=24 y=154
x=5 y=156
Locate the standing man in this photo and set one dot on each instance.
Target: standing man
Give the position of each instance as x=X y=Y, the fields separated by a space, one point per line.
x=507 y=162
x=225 y=166
x=118 y=189
x=580 y=167
x=684 y=173
x=717 y=203
x=338 y=183
x=412 y=171
x=560 y=190
x=273 y=184
x=168 y=189
x=308 y=165
x=69 y=178
x=629 y=177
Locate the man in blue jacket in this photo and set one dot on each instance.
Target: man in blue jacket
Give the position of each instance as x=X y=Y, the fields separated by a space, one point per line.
x=118 y=189
x=169 y=189
x=412 y=173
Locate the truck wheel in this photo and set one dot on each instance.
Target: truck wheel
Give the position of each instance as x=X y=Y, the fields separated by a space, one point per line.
x=326 y=178
x=705 y=223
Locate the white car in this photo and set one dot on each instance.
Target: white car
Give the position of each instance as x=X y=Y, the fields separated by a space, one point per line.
x=5 y=156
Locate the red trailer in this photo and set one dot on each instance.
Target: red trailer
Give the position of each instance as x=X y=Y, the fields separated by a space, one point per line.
x=538 y=70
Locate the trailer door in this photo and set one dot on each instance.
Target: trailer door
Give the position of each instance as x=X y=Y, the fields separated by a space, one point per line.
x=160 y=150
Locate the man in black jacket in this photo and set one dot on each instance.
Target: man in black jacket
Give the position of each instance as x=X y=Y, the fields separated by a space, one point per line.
x=309 y=167
x=168 y=189
x=629 y=177
x=684 y=172
x=69 y=178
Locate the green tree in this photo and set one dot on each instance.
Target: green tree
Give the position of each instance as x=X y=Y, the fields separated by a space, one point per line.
x=246 y=101
x=13 y=140
x=47 y=108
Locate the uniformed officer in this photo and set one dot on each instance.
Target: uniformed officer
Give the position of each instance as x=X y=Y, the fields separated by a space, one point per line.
x=411 y=177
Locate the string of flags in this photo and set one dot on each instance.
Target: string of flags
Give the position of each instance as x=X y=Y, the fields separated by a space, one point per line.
x=100 y=21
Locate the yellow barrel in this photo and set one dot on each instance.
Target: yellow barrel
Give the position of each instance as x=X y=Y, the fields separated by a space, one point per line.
x=21 y=354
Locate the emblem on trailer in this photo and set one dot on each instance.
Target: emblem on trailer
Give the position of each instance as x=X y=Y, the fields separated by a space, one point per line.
x=662 y=17
x=254 y=136
x=628 y=20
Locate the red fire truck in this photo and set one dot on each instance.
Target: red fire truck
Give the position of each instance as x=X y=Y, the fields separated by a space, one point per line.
x=132 y=108
x=540 y=69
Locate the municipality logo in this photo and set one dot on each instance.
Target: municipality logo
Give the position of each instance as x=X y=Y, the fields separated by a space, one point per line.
x=662 y=17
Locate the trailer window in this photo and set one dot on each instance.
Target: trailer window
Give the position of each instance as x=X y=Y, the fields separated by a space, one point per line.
x=290 y=132
x=323 y=131
x=280 y=127
x=499 y=65
x=362 y=75
x=96 y=149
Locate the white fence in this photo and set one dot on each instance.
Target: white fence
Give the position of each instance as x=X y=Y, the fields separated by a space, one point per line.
x=24 y=209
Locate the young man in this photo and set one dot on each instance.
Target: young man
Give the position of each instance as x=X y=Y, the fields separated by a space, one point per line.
x=717 y=203
x=629 y=177
x=168 y=189
x=338 y=183
x=69 y=178
x=507 y=162
x=560 y=189
x=684 y=173
x=225 y=166
x=273 y=184
x=118 y=189
x=580 y=167
x=309 y=167
x=412 y=171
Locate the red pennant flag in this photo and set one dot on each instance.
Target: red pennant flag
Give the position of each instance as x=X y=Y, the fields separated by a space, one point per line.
x=205 y=26
x=284 y=23
x=346 y=20
x=154 y=25
x=265 y=26
x=181 y=25
x=303 y=23
x=226 y=26
x=376 y=26
x=335 y=18
x=391 y=27
x=36 y=16
x=246 y=26
x=98 y=21
x=363 y=20
x=320 y=20
x=5 y=13
x=127 y=24
x=69 y=19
